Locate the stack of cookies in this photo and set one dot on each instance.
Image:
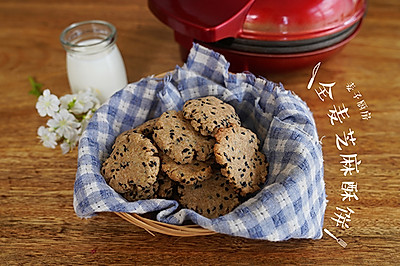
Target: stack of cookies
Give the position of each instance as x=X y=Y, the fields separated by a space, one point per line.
x=200 y=156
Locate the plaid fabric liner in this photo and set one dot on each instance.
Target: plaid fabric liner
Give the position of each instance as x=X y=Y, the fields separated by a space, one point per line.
x=293 y=201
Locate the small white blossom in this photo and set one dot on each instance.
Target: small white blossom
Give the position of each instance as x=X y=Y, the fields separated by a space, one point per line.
x=88 y=100
x=64 y=124
x=67 y=100
x=47 y=104
x=86 y=119
x=69 y=144
x=80 y=103
x=48 y=138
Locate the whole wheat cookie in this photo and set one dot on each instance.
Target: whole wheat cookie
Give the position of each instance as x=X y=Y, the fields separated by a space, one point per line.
x=149 y=192
x=208 y=114
x=147 y=129
x=242 y=163
x=133 y=166
x=211 y=198
x=166 y=186
x=177 y=138
x=192 y=173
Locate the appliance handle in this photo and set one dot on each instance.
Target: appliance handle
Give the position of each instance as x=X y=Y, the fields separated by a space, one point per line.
x=205 y=20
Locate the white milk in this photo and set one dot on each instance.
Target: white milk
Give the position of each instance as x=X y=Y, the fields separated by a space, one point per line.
x=102 y=71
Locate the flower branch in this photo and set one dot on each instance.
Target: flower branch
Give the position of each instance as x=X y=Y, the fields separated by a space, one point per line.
x=69 y=116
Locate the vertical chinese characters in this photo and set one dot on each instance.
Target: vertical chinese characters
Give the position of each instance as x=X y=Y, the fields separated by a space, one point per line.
x=361 y=103
x=349 y=160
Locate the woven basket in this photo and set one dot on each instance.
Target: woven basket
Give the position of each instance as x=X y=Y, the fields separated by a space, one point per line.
x=168 y=229
x=281 y=120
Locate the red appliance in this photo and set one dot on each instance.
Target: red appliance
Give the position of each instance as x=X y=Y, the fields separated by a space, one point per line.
x=263 y=35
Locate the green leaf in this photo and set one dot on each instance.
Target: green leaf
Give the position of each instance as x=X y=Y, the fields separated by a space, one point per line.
x=36 y=87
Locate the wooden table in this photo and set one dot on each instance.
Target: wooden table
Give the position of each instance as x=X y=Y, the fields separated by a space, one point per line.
x=37 y=221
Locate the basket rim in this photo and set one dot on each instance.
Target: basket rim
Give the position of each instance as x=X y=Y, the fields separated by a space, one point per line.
x=167 y=229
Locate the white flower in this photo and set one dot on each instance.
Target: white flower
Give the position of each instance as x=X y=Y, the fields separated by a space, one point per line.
x=48 y=138
x=85 y=120
x=69 y=144
x=81 y=102
x=88 y=100
x=64 y=124
x=47 y=104
x=67 y=101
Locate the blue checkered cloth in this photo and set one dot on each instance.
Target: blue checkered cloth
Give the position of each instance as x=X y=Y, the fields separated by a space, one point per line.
x=292 y=202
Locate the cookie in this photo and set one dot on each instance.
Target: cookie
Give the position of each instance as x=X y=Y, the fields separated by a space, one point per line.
x=133 y=165
x=211 y=198
x=147 y=129
x=166 y=187
x=177 y=138
x=191 y=173
x=149 y=192
x=242 y=163
x=208 y=114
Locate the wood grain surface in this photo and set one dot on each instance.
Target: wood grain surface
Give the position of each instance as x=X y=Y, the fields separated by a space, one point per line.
x=37 y=221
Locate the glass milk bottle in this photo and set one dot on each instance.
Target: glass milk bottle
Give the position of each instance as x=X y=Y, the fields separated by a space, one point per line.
x=93 y=58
